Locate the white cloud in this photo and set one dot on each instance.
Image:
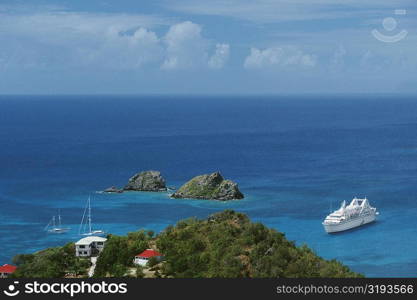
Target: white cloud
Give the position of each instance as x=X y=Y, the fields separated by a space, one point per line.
x=278 y=57
x=124 y=51
x=54 y=40
x=187 y=49
x=185 y=46
x=220 y=57
x=57 y=39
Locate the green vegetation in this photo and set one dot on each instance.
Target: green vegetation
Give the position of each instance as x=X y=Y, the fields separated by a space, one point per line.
x=51 y=263
x=119 y=252
x=195 y=189
x=209 y=186
x=139 y=272
x=226 y=244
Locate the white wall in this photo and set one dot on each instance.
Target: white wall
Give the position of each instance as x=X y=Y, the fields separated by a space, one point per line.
x=140 y=261
x=88 y=248
x=144 y=261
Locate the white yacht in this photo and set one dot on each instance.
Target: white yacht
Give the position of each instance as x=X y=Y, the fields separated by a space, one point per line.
x=357 y=213
x=53 y=227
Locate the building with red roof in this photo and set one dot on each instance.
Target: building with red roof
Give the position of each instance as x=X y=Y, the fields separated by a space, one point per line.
x=6 y=270
x=143 y=258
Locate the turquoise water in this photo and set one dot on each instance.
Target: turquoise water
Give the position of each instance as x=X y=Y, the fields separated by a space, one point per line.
x=295 y=159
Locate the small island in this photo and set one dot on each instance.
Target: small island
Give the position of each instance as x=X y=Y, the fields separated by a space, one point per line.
x=209 y=187
x=146 y=181
x=113 y=189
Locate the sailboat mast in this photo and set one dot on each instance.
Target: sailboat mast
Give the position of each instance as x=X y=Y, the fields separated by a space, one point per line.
x=59 y=218
x=53 y=222
x=89 y=214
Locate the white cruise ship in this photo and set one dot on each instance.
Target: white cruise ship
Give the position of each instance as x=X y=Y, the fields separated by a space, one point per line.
x=357 y=213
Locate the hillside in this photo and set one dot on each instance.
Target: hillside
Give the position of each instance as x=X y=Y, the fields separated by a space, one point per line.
x=55 y=262
x=226 y=244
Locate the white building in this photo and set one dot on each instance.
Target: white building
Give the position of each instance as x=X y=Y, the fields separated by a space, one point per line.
x=89 y=246
x=143 y=258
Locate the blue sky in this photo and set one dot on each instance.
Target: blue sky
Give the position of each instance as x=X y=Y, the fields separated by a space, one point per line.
x=206 y=47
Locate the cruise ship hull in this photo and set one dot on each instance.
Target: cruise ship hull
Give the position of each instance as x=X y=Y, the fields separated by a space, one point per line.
x=353 y=223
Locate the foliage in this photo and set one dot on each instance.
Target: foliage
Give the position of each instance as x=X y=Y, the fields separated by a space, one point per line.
x=139 y=272
x=51 y=263
x=196 y=189
x=209 y=186
x=153 y=261
x=119 y=252
x=227 y=244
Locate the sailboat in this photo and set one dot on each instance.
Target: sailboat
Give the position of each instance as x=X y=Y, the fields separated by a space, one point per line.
x=85 y=226
x=53 y=227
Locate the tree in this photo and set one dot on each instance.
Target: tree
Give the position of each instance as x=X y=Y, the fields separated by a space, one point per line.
x=50 y=263
x=119 y=270
x=153 y=261
x=226 y=244
x=119 y=252
x=139 y=272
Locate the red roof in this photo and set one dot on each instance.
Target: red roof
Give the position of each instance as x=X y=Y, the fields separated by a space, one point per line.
x=149 y=253
x=7 y=269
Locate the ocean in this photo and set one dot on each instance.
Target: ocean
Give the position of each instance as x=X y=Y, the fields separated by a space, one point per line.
x=295 y=158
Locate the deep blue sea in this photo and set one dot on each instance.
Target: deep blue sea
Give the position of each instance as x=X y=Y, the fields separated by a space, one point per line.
x=295 y=159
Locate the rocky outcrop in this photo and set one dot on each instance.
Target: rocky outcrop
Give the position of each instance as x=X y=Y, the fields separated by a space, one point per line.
x=113 y=189
x=210 y=187
x=147 y=181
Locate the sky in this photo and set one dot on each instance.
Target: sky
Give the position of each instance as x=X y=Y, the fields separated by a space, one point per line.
x=208 y=47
